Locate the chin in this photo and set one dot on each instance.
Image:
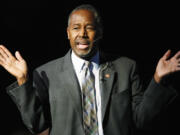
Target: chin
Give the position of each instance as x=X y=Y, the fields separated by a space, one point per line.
x=83 y=55
x=86 y=54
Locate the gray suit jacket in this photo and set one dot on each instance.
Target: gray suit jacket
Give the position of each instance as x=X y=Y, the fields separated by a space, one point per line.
x=53 y=98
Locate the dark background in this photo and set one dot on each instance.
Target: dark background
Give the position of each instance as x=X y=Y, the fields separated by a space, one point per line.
x=37 y=28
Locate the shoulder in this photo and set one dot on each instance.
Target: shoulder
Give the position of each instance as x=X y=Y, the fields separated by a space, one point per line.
x=124 y=60
x=121 y=64
x=117 y=59
x=124 y=64
x=51 y=65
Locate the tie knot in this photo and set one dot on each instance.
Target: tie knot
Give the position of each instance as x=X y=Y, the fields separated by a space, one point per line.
x=86 y=64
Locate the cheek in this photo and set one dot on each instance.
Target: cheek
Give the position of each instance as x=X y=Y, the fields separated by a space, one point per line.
x=92 y=36
x=73 y=36
x=72 y=43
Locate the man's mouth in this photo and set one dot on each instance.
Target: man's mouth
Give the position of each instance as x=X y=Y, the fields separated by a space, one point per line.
x=82 y=46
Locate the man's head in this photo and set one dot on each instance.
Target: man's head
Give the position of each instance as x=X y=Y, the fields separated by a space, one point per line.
x=84 y=28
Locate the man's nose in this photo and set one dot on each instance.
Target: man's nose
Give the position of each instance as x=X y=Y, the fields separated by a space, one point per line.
x=83 y=33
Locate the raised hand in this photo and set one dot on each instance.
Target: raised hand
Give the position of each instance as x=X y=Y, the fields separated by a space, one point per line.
x=16 y=66
x=167 y=66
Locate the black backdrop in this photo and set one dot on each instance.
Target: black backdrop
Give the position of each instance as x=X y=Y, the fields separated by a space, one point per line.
x=140 y=30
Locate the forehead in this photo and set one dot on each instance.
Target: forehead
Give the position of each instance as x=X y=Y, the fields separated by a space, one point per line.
x=82 y=16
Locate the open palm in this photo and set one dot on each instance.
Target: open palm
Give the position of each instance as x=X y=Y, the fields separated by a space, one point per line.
x=168 y=66
x=15 y=65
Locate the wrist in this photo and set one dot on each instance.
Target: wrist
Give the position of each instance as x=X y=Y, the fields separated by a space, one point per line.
x=157 y=78
x=22 y=80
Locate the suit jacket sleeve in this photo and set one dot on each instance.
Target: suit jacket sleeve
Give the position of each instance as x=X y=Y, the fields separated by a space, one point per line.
x=148 y=104
x=30 y=100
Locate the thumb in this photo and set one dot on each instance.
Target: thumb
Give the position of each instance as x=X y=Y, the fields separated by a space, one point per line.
x=166 y=55
x=18 y=56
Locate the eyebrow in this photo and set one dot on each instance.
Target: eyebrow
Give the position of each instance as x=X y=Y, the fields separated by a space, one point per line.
x=76 y=24
x=86 y=24
x=91 y=24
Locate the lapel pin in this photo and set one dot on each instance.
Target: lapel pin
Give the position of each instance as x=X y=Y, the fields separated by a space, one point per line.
x=107 y=75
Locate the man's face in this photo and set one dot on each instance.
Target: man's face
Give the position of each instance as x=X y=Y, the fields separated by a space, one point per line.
x=82 y=33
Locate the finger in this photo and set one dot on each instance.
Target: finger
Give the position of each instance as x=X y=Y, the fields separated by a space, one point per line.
x=177 y=55
x=2 y=59
x=3 y=54
x=166 y=55
x=6 y=51
x=18 y=56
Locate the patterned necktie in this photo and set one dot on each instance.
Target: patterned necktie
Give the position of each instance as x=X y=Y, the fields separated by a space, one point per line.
x=89 y=102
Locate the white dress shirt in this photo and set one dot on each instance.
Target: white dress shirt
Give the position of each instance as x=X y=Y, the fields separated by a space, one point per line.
x=78 y=64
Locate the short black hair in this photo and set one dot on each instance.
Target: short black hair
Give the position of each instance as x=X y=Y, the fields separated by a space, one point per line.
x=91 y=8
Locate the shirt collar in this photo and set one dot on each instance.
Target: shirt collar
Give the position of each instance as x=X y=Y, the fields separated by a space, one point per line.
x=78 y=62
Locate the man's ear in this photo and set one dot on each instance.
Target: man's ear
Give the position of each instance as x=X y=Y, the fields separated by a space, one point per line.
x=67 y=32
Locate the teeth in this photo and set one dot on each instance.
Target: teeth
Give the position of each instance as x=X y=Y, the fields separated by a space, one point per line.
x=82 y=46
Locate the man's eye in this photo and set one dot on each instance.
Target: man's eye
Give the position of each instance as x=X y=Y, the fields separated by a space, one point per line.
x=90 y=28
x=75 y=28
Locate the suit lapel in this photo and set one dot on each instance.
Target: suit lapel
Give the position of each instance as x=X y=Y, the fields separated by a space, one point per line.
x=71 y=83
x=107 y=75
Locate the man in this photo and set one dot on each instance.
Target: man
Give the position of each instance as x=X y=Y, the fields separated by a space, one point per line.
x=104 y=98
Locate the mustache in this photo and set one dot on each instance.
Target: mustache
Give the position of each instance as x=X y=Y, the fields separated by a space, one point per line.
x=82 y=41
